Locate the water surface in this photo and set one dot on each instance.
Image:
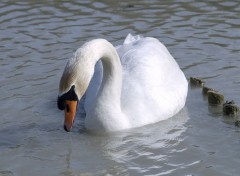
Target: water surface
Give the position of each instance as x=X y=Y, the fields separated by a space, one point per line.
x=37 y=38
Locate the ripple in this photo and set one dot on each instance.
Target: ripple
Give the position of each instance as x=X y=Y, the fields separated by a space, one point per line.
x=6 y=173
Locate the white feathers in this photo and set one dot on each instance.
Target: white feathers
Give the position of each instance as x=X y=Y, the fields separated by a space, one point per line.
x=152 y=86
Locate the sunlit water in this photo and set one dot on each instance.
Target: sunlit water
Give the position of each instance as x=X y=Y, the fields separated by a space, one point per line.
x=37 y=38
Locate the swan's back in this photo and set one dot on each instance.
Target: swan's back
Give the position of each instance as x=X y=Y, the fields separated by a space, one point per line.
x=154 y=87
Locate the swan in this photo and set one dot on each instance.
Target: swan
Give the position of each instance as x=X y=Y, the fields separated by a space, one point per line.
x=131 y=85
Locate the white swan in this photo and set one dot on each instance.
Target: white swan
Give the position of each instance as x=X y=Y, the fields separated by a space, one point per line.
x=138 y=83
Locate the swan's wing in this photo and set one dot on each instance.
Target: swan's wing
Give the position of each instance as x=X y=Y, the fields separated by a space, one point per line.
x=154 y=87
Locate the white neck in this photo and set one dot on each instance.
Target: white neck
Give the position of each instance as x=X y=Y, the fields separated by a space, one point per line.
x=79 y=70
x=105 y=112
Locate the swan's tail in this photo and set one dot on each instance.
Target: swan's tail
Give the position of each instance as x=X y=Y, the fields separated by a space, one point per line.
x=131 y=38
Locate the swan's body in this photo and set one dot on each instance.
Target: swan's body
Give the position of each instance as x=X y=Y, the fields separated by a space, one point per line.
x=137 y=84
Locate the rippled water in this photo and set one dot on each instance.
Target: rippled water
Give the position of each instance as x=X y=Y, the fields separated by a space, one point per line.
x=38 y=37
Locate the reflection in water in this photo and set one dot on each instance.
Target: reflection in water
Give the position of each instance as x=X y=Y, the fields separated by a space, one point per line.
x=37 y=38
x=141 y=147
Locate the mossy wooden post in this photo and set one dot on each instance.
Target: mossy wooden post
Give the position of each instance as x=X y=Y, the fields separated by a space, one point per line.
x=206 y=89
x=230 y=108
x=215 y=98
x=237 y=123
x=196 y=82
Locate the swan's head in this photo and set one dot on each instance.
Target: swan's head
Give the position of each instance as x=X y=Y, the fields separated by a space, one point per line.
x=68 y=102
x=73 y=84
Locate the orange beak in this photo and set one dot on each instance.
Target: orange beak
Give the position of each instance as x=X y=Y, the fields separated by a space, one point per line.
x=70 y=112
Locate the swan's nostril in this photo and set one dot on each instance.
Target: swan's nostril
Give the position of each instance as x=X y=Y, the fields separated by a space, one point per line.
x=66 y=129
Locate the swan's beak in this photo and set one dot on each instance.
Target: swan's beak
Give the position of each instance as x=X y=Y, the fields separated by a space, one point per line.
x=70 y=112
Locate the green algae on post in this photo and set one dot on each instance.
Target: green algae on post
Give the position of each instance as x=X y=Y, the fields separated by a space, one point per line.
x=196 y=82
x=206 y=89
x=215 y=98
x=230 y=108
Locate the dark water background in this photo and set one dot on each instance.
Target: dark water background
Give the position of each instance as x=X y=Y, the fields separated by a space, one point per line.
x=37 y=38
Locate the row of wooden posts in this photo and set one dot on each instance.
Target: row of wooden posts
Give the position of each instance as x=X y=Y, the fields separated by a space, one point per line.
x=215 y=98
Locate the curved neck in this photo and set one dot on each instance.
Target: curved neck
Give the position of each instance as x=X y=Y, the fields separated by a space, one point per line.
x=112 y=79
x=111 y=85
x=79 y=70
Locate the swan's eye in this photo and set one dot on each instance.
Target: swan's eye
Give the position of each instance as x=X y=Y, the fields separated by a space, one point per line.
x=70 y=95
x=60 y=103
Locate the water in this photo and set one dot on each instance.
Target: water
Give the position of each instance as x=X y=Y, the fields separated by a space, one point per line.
x=38 y=37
